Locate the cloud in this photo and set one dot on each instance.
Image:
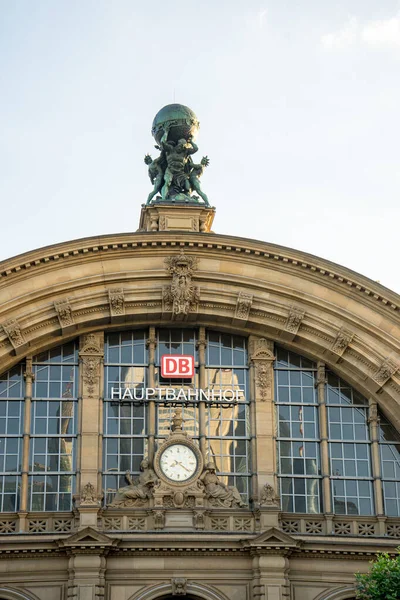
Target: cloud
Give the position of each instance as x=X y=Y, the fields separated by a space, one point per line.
x=379 y=34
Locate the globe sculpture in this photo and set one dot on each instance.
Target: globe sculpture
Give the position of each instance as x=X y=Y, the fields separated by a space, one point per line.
x=180 y=121
x=173 y=174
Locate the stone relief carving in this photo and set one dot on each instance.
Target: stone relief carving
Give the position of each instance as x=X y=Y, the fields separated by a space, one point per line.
x=64 y=313
x=91 y=344
x=373 y=416
x=387 y=369
x=14 y=333
x=88 y=495
x=268 y=496
x=117 y=301
x=219 y=494
x=90 y=372
x=181 y=296
x=263 y=379
x=179 y=586
x=294 y=320
x=342 y=340
x=261 y=354
x=243 y=306
x=91 y=353
x=137 y=494
x=159 y=519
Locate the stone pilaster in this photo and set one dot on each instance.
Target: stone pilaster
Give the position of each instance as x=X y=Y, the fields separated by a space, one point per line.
x=373 y=421
x=323 y=432
x=28 y=375
x=202 y=345
x=262 y=414
x=91 y=360
x=270 y=577
x=152 y=344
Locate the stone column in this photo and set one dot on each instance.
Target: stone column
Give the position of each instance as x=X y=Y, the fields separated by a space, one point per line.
x=28 y=375
x=262 y=415
x=151 y=344
x=90 y=425
x=324 y=445
x=373 y=421
x=201 y=345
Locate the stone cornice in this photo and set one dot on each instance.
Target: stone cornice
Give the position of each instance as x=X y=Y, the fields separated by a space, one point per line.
x=129 y=242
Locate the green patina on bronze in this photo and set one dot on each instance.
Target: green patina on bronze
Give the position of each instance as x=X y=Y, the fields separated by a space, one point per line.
x=173 y=174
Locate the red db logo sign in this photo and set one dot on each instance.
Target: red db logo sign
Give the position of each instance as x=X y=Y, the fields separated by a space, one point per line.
x=173 y=366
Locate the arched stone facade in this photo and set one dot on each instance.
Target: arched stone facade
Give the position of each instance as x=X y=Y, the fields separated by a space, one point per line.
x=80 y=290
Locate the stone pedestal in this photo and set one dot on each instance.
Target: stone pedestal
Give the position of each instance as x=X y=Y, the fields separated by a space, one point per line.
x=166 y=216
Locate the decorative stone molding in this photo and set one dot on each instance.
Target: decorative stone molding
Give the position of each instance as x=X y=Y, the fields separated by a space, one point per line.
x=181 y=297
x=268 y=496
x=342 y=340
x=294 y=320
x=14 y=333
x=387 y=369
x=64 y=313
x=117 y=302
x=243 y=306
x=261 y=355
x=91 y=355
x=179 y=586
x=88 y=495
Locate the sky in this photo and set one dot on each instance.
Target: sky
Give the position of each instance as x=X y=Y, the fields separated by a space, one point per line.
x=298 y=103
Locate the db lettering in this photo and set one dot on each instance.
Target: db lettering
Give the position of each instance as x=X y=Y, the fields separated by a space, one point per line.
x=173 y=366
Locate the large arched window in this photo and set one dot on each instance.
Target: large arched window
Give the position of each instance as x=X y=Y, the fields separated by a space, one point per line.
x=129 y=426
x=299 y=414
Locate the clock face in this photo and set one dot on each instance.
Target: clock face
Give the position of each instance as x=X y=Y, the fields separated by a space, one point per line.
x=178 y=462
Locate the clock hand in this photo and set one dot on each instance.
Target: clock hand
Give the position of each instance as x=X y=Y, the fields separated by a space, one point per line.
x=179 y=463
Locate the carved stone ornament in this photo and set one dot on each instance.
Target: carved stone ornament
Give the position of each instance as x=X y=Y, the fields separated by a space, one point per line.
x=159 y=519
x=263 y=379
x=179 y=586
x=91 y=353
x=385 y=371
x=91 y=344
x=181 y=297
x=342 y=340
x=117 y=302
x=261 y=355
x=90 y=373
x=14 y=333
x=243 y=306
x=88 y=495
x=64 y=313
x=294 y=320
x=373 y=415
x=268 y=496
